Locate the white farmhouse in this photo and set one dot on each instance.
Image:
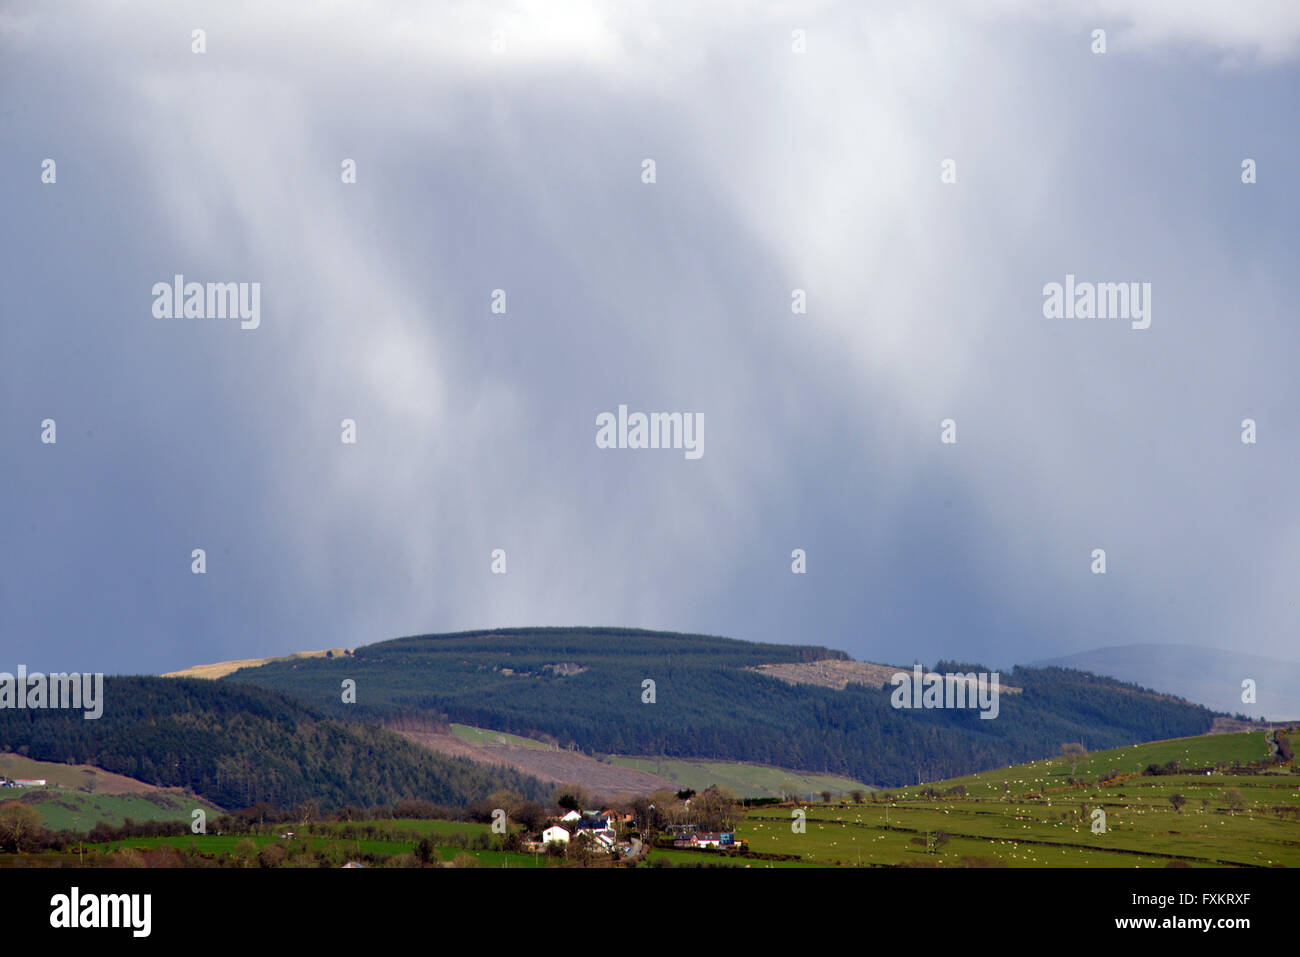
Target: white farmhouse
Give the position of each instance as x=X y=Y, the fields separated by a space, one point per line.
x=555 y=833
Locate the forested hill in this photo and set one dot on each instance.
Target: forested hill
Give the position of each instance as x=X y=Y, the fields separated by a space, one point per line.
x=585 y=687
x=237 y=745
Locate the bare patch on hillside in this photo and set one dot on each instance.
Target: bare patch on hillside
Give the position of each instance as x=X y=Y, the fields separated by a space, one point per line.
x=549 y=764
x=838 y=674
x=566 y=668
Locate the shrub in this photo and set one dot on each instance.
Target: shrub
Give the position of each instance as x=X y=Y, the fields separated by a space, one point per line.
x=271 y=855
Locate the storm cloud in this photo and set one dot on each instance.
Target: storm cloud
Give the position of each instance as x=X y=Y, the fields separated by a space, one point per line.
x=503 y=148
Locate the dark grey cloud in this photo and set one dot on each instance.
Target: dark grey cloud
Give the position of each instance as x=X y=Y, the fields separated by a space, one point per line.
x=520 y=170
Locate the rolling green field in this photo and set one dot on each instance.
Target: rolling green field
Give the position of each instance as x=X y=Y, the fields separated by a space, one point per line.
x=391 y=838
x=65 y=809
x=1030 y=815
x=1222 y=804
x=226 y=844
x=405 y=827
x=683 y=858
x=1203 y=750
x=747 y=780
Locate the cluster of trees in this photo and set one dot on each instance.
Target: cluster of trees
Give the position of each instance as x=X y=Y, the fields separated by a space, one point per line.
x=1284 y=752
x=238 y=745
x=1156 y=770
x=707 y=704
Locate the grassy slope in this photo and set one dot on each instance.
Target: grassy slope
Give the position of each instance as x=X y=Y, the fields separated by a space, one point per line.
x=747 y=780
x=78 y=776
x=1210 y=749
x=66 y=809
x=393 y=837
x=79 y=796
x=474 y=735
x=1042 y=820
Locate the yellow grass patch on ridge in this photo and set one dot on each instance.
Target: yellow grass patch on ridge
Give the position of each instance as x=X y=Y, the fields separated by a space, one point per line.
x=220 y=669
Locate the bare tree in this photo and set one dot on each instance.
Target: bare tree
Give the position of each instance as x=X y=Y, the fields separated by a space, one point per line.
x=1073 y=752
x=19 y=825
x=716 y=809
x=580 y=851
x=308 y=811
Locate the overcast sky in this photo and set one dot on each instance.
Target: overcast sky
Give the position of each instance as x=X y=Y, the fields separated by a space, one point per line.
x=521 y=168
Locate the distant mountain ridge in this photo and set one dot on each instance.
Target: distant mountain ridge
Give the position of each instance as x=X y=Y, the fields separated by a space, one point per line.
x=1208 y=676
